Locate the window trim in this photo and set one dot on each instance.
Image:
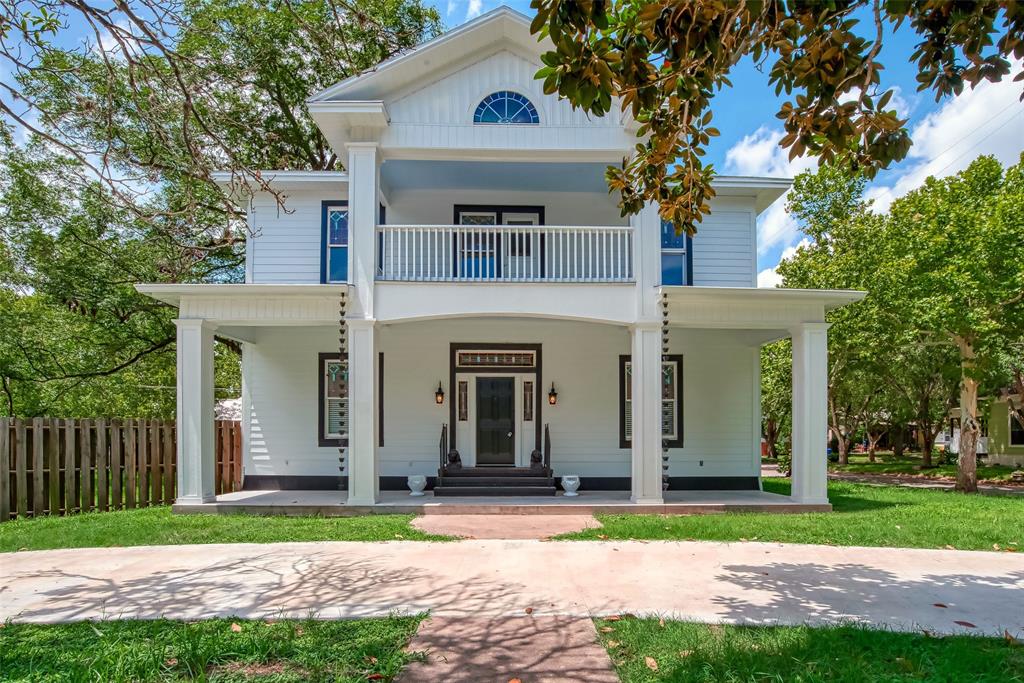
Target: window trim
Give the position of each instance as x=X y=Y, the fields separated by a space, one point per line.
x=529 y=106
x=671 y=358
x=326 y=442
x=321 y=424
x=1009 y=431
x=687 y=253
x=325 y=211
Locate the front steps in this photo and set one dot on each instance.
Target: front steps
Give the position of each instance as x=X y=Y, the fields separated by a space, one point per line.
x=494 y=481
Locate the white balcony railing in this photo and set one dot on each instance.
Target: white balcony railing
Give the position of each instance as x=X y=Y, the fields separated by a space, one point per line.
x=504 y=253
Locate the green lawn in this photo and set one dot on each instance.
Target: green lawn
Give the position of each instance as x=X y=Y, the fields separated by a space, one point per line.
x=157 y=526
x=680 y=652
x=862 y=515
x=215 y=650
x=910 y=464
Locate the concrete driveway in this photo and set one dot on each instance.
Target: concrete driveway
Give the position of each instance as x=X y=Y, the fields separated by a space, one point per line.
x=758 y=583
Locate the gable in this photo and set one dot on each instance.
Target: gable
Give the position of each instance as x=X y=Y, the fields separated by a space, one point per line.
x=452 y=98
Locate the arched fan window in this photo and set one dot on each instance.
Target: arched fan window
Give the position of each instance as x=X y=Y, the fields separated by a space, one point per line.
x=506 y=106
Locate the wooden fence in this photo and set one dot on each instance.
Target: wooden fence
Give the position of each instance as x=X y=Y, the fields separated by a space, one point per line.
x=52 y=466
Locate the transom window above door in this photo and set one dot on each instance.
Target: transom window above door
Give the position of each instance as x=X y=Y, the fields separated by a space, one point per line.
x=506 y=107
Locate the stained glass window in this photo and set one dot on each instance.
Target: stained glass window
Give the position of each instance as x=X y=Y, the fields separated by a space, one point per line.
x=336 y=399
x=337 y=244
x=506 y=106
x=669 y=401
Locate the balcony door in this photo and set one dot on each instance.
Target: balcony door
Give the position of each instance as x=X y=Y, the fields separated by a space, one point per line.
x=488 y=253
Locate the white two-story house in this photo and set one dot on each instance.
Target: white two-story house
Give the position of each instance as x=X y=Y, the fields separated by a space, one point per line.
x=503 y=324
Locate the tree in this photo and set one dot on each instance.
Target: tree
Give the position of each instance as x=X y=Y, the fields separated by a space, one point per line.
x=664 y=60
x=960 y=263
x=78 y=339
x=169 y=91
x=114 y=185
x=776 y=393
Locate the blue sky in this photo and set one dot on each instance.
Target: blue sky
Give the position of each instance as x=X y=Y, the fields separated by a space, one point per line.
x=947 y=135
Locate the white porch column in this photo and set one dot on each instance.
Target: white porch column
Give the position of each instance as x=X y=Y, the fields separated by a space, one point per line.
x=646 y=404
x=196 y=458
x=363 y=211
x=810 y=387
x=361 y=460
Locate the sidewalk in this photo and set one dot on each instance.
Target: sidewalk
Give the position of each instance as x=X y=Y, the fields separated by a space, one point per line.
x=757 y=583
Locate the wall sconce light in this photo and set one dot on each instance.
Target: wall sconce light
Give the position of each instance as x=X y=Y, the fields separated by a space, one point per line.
x=552 y=395
x=439 y=395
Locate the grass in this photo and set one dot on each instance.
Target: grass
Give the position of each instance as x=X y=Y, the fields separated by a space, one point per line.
x=910 y=464
x=684 y=652
x=862 y=515
x=157 y=526
x=215 y=650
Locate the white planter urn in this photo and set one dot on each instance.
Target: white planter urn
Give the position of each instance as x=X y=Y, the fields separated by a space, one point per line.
x=416 y=484
x=571 y=483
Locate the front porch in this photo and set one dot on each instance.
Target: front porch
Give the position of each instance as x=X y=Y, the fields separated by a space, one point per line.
x=334 y=504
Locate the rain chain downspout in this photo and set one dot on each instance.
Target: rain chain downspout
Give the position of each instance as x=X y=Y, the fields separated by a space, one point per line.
x=343 y=358
x=664 y=359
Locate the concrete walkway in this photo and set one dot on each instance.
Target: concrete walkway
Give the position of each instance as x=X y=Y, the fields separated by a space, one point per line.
x=712 y=582
x=530 y=649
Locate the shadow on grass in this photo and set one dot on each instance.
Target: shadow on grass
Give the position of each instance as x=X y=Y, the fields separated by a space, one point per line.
x=842 y=498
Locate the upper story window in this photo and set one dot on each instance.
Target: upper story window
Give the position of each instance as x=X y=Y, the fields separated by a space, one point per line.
x=506 y=106
x=335 y=243
x=675 y=256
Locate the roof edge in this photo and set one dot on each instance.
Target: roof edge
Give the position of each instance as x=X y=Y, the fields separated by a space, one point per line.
x=503 y=11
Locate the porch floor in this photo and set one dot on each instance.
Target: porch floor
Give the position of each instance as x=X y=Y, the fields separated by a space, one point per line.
x=333 y=504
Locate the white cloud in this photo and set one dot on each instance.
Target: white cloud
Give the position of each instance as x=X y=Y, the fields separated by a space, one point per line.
x=450 y=8
x=769 y=277
x=986 y=120
x=759 y=154
x=475 y=9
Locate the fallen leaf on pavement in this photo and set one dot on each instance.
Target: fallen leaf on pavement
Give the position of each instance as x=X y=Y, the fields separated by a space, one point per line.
x=651 y=663
x=939 y=604
x=529 y=610
x=965 y=623
x=514 y=680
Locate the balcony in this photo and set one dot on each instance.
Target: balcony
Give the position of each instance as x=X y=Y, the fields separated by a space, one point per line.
x=504 y=253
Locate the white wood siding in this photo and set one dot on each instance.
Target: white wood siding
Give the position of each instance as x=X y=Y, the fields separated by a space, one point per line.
x=719 y=374
x=286 y=245
x=724 y=249
x=439 y=113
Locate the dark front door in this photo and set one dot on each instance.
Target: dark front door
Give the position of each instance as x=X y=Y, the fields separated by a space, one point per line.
x=495 y=421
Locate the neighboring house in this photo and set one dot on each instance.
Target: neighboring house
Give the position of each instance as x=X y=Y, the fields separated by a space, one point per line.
x=492 y=293
x=1002 y=436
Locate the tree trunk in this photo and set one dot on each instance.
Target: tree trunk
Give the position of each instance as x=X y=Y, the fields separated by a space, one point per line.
x=967 y=465
x=844 y=449
x=771 y=437
x=898 y=443
x=873 y=439
x=927 y=444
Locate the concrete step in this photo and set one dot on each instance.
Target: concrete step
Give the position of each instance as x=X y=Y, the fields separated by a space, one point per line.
x=493 y=472
x=495 y=481
x=494 y=490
